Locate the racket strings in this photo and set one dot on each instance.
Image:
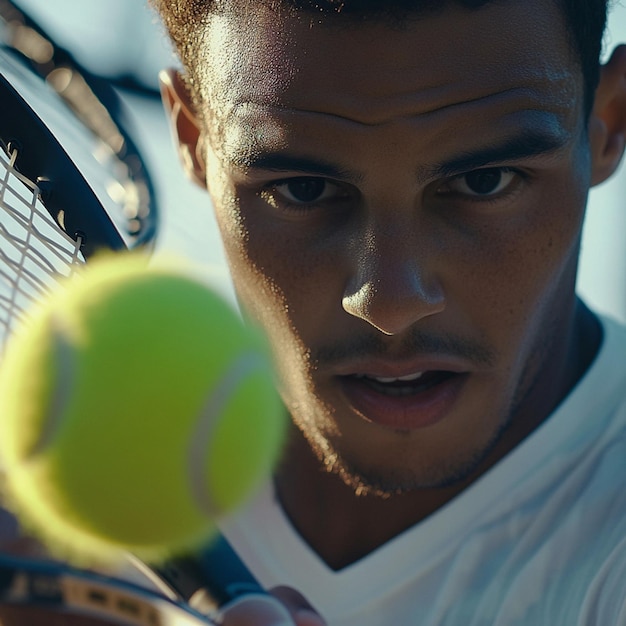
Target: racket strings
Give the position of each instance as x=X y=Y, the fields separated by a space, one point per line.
x=34 y=252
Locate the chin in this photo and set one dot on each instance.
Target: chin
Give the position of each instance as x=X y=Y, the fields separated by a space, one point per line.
x=389 y=479
x=403 y=472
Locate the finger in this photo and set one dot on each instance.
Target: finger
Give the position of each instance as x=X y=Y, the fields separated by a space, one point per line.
x=255 y=610
x=300 y=608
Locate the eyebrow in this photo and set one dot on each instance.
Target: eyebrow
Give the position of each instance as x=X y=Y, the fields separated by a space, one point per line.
x=526 y=144
x=284 y=162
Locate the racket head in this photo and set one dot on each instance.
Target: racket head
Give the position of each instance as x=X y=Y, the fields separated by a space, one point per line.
x=89 y=120
x=73 y=203
x=63 y=141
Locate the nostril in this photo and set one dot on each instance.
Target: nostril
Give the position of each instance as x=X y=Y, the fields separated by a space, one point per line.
x=392 y=307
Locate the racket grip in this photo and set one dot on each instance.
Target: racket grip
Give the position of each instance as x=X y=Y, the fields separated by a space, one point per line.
x=211 y=578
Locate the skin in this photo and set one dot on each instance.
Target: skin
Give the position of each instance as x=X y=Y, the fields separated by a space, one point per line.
x=399 y=259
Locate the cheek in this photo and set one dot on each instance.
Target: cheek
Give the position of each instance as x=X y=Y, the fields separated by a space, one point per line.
x=274 y=278
x=280 y=273
x=522 y=274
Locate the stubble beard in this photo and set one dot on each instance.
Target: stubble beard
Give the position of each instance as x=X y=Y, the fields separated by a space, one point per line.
x=384 y=482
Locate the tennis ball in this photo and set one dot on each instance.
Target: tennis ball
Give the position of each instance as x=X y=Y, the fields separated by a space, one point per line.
x=135 y=408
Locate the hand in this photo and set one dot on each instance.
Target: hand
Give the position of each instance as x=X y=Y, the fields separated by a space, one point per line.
x=14 y=542
x=285 y=607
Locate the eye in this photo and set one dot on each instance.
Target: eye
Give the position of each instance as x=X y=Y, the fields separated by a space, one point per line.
x=486 y=182
x=305 y=190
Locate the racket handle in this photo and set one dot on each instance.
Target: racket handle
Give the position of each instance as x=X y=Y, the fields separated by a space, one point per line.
x=210 y=579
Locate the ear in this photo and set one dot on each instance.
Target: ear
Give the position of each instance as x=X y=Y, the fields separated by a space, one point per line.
x=185 y=125
x=607 y=124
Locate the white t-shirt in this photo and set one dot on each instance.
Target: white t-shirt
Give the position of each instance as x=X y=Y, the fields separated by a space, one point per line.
x=539 y=540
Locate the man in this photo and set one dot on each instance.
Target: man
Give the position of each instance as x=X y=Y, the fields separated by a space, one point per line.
x=400 y=188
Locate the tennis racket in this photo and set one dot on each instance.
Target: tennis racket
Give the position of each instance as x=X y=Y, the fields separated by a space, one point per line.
x=72 y=183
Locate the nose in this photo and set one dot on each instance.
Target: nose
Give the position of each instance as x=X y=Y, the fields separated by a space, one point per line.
x=391 y=286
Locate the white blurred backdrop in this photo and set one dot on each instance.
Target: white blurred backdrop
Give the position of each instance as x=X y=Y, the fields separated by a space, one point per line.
x=123 y=38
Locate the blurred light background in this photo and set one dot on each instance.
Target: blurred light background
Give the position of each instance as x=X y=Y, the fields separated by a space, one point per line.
x=122 y=39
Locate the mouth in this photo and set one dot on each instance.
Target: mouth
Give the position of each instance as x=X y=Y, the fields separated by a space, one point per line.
x=407 y=402
x=405 y=385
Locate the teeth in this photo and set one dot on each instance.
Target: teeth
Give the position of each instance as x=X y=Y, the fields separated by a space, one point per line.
x=407 y=378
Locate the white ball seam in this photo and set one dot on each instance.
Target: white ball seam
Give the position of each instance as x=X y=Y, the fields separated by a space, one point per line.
x=64 y=360
x=202 y=433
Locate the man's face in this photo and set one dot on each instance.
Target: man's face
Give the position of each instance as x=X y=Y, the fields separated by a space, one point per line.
x=401 y=209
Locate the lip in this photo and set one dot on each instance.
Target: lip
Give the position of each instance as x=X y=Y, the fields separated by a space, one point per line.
x=396 y=368
x=404 y=412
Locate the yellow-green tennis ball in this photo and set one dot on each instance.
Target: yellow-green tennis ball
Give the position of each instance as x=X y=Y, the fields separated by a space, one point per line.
x=135 y=407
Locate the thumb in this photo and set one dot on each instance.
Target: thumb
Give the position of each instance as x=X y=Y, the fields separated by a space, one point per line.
x=255 y=610
x=301 y=610
x=267 y=610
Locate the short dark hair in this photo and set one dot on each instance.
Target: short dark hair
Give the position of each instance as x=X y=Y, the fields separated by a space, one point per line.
x=585 y=19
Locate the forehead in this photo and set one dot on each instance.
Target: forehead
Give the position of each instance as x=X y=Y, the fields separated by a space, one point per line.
x=274 y=71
